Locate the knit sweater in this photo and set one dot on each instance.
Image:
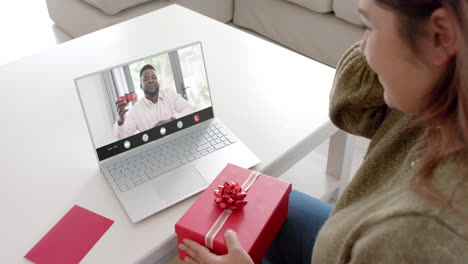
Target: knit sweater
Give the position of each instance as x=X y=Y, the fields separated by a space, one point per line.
x=380 y=218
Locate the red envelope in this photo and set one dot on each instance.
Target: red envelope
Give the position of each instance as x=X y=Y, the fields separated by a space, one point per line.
x=256 y=223
x=71 y=238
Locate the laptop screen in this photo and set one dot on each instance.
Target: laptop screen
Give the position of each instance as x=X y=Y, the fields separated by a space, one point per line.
x=144 y=100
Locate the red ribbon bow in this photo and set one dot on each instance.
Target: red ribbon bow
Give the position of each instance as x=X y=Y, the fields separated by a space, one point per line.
x=230 y=196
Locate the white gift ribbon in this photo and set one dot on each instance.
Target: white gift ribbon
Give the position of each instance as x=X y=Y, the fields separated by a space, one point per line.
x=223 y=217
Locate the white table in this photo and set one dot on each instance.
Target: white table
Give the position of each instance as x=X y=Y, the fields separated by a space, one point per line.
x=47 y=158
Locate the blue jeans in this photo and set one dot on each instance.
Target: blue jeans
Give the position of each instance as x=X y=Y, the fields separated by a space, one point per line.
x=296 y=238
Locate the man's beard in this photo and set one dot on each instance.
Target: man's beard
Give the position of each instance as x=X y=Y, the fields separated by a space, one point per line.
x=152 y=93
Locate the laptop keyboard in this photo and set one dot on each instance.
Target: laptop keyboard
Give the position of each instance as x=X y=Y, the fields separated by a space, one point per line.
x=158 y=160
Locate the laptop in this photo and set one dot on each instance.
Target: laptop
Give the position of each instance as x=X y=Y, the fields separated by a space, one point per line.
x=154 y=130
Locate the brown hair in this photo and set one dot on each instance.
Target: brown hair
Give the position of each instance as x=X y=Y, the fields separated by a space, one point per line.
x=446 y=109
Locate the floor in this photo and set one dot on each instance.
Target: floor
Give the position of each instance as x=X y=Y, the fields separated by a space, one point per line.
x=27 y=29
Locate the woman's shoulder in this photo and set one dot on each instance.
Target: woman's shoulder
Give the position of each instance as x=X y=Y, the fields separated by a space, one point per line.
x=450 y=179
x=398 y=224
x=443 y=206
x=445 y=200
x=435 y=231
x=410 y=238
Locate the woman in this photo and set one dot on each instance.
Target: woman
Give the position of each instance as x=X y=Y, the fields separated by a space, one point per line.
x=405 y=86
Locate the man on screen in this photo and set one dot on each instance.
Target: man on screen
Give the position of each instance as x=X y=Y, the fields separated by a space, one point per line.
x=157 y=108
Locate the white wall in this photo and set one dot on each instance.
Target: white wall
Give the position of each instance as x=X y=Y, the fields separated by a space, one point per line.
x=97 y=109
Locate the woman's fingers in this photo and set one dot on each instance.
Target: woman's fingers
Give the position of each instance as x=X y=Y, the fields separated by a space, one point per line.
x=197 y=252
x=186 y=249
x=190 y=260
x=232 y=241
x=202 y=255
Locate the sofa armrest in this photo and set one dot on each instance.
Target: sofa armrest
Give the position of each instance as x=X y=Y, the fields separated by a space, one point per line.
x=347 y=10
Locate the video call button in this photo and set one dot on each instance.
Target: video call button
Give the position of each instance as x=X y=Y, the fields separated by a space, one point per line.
x=196 y=118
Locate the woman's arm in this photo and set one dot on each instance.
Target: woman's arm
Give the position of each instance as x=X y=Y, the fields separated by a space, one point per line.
x=356 y=101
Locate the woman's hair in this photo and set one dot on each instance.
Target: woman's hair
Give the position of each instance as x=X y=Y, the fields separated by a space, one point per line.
x=445 y=114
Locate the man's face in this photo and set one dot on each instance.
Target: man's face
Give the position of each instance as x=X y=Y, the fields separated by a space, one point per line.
x=149 y=82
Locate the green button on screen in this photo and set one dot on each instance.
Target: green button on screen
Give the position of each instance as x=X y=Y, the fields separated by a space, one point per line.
x=127 y=144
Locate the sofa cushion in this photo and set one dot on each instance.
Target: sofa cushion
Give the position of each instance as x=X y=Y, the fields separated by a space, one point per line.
x=347 y=10
x=112 y=7
x=320 y=6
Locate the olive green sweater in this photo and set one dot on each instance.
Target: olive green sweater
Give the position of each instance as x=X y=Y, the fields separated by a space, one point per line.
x=380 y=218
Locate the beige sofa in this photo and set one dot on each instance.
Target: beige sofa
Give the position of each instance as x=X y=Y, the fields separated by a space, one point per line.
x=319 y=29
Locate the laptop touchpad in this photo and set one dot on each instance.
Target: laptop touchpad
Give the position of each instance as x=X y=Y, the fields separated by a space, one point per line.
x=181 y=183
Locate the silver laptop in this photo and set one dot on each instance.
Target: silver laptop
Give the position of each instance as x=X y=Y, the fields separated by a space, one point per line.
x=153 y=128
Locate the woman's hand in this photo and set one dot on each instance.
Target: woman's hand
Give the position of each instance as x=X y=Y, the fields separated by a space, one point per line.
x=202 y=255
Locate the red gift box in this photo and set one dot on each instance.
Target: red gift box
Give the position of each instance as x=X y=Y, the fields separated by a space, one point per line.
x=130 y=97
x=256 y=223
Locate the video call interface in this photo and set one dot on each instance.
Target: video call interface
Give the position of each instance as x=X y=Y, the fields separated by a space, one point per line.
x=139 y=102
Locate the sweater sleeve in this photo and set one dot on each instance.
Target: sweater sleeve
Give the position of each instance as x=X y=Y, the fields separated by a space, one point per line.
x=356 y=101
x=410 y=239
